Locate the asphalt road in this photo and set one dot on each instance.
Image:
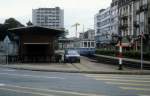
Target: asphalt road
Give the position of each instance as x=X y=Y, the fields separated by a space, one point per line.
x=32 y=83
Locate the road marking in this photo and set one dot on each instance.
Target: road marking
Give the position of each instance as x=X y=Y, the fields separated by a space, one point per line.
x=1 y=84
x=27 y=92
x=34 y=76
x=133 y=88
x=114 y=76
x=121 y=80
x=57 y=91
x=10 y=70
x=128 y=84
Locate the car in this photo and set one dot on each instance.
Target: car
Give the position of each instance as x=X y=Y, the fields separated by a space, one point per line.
x=72 y=56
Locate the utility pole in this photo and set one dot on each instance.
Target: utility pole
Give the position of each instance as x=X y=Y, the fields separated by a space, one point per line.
x=142 y=51
x=76 y=28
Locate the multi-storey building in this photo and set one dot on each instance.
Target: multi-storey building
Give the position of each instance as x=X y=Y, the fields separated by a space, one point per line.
x=89 y=34
x=142 y=21
x=114 y=16
x=103 y=27
x=114 y=22
x=126 y=17
x=48 y=17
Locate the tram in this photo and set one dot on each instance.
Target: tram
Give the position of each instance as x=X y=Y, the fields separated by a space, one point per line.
x=85 y=47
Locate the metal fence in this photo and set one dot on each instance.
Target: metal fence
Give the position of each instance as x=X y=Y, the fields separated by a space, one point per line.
x=4 y=59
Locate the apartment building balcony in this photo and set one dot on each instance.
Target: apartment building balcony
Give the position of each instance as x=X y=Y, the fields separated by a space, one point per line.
x=123 y=26
x=144 y=8
x=138 y=11
x=124 y=16
x=136 y=24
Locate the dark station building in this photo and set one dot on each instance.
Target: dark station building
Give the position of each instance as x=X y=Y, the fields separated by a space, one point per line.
x=36 y=44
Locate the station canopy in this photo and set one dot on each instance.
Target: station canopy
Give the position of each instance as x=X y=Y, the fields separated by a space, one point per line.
x=37 y=29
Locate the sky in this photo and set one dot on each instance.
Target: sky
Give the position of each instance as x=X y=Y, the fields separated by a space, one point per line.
x=81 y=11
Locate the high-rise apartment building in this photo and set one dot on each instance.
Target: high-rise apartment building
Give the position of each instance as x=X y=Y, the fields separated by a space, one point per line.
x=142 y=22
x=103 y=27
x=48 y=17
x=126 y=17
x=114 y=17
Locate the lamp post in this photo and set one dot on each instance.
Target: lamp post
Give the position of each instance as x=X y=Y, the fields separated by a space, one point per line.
x=142 y=35
x=142 y=51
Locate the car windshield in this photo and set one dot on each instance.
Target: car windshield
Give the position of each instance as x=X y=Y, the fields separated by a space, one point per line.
x=72 y=52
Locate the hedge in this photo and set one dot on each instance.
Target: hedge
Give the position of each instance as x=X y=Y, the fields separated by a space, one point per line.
x=127 y=54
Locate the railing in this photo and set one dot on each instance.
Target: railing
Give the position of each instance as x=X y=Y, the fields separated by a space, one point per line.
x=144 y=7
x=4 y=59
x=123 y=26
x=136 y=24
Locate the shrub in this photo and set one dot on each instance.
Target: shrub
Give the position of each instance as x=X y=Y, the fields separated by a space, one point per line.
x=126 y=54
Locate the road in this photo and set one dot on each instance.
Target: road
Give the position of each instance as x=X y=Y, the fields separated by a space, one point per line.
x=32 y=83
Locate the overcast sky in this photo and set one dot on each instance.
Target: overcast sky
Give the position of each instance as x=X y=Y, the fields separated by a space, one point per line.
x=81 y=11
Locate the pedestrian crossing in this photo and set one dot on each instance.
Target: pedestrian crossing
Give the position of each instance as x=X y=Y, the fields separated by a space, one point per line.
x=139 y=84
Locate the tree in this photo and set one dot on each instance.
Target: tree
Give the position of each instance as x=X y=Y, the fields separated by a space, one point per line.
x=29 y=23
x=12 y=23
x=8 y=24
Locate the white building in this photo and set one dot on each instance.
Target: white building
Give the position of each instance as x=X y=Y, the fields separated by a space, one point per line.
x=48 y=17
x=142 y=22
x=87 y=39
x=114 y=17
x=126 y=18
x=89 y=34
x=103 y=27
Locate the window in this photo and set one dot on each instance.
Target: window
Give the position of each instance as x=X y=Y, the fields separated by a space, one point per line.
x=89 y=44
x=85 y=44
x=92 y=44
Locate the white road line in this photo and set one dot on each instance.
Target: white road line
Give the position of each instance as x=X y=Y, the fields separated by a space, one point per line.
x=134 y=88
x=107 y=75
x=57 y=91
x=27 y=92
x=10 y=70
x=103 y=79
x=127 y=77
x=34 y=76
x=1 y=84
x=128 y=84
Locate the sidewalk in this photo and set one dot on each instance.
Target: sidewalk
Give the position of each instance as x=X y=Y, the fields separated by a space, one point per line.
x=86 y=66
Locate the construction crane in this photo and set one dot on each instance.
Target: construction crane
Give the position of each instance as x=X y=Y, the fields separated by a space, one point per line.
x=76 y=26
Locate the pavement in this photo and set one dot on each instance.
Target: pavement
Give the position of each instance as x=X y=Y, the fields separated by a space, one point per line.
x=86 y=66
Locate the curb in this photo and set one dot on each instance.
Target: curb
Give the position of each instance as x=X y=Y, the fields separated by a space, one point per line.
x=83 y=72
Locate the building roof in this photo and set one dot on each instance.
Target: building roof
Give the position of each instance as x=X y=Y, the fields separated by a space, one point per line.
x=36 y=29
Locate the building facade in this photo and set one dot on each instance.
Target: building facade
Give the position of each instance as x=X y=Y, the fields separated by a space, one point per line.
x=134 y=22
x=114 y=22
x=103 y=27
x=142 y=22
x=87 y=39
x=114 y=17
x=48 y=17
x=35 y=44
x=126 y=17
x=89 y=34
